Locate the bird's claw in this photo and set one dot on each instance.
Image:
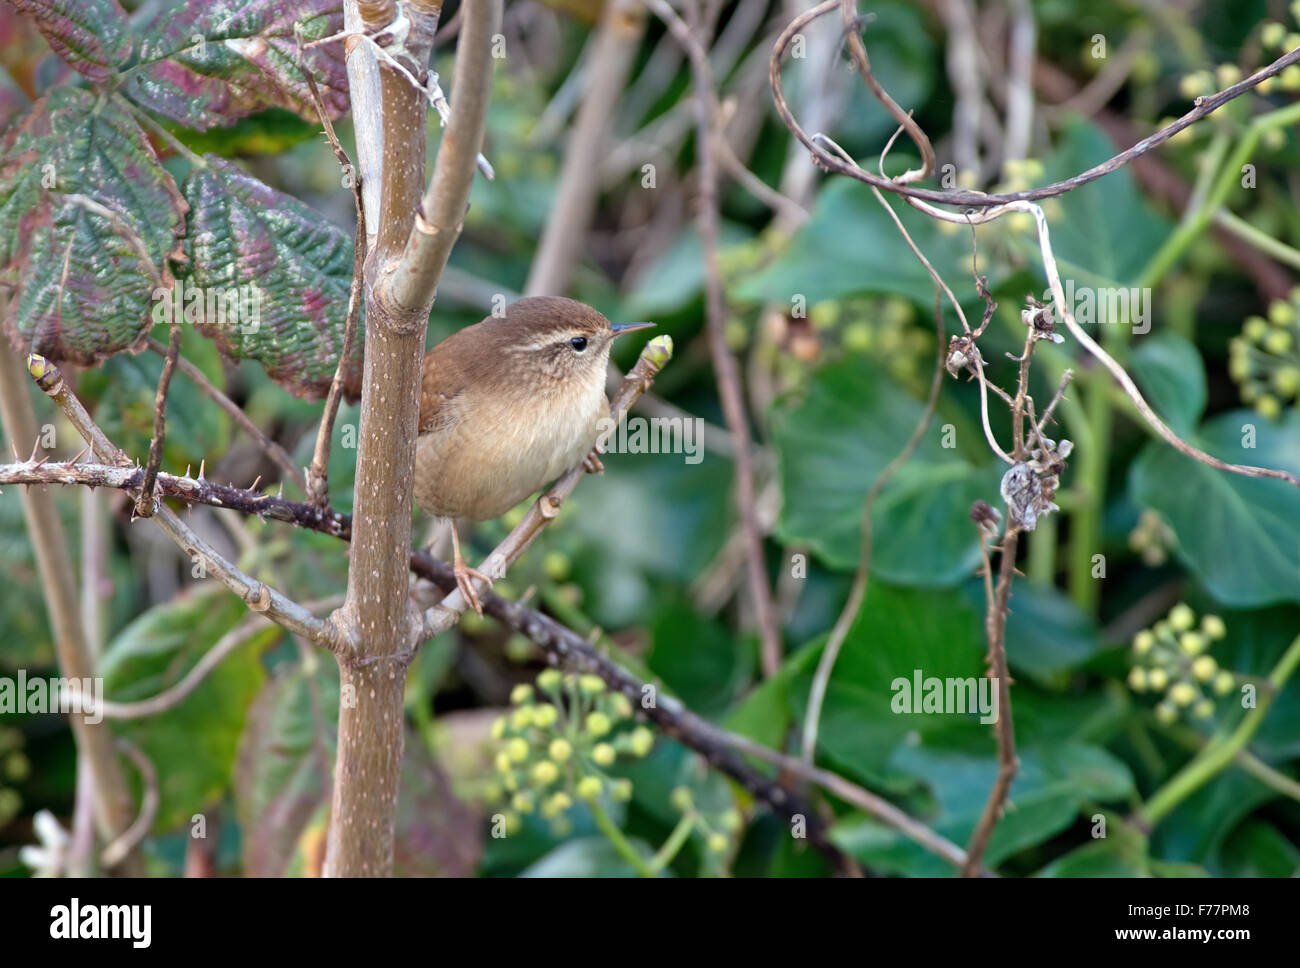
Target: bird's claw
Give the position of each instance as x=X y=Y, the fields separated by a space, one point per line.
x=591 y=463
x=465 y=575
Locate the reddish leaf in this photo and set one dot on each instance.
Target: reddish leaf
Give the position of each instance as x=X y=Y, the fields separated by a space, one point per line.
x=84 y=289
x=92 y=36
x=211 y=63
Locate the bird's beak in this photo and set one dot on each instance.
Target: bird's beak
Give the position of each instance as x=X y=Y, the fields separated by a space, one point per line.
x=621 y=328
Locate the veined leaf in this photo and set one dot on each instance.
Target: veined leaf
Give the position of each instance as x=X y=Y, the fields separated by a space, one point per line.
x=85 y=288
x=289 y=270
x=206 y=64
x=92 y=36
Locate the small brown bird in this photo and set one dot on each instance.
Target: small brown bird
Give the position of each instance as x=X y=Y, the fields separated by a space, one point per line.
x=507 y=406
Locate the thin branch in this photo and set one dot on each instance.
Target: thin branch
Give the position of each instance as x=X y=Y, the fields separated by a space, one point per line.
x=258 y=596
x=130 y=838
x=274 y=451
x=413 y=282
x=144 y=503
x=1204 y=106
x=112 y=801
x=724 y=364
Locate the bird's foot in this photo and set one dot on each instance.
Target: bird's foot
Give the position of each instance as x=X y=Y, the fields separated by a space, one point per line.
x=591 y=463
x=465 y=575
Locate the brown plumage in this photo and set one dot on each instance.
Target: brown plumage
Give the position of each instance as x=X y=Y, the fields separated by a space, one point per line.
x=507 y=406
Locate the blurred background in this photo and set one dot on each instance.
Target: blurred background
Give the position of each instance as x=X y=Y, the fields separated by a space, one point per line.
x=831 y=320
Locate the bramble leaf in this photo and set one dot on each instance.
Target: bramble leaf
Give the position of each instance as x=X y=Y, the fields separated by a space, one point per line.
x=92 y=36
x=207 y=64
x=292 y=271
x=84 y=285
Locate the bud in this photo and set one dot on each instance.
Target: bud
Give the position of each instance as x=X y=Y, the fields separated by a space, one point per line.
x=560 y=750
x=603 y=754
x=545 y=773
x=598 y=723
x=1181 y=617
x=521 y=694
x=589 y=788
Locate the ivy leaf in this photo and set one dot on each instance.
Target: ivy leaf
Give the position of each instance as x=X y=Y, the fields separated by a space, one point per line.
x=833 y=443
x=1238 y=535
x=85 y=288
x=92 y=36
x=209 y=64
x=292 y=272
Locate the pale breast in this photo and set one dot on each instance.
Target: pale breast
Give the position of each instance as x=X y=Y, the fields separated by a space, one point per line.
x=492 y=457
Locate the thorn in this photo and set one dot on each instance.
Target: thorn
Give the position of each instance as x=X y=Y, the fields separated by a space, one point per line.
x=202 y=465
x=281 y=494
x=35 y=447
x=80 y=454
x=42 y=460
x=253 y=486
x=17 y=456
x=187 y=470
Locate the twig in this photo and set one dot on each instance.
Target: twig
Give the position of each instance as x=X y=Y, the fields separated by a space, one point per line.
x=724 y=363
x=614 y=47
x=995 y=626
x=1204 y=106
x=274 y=451
x=144 y=503
x=130 y=838
x=112 y=802
x=258 y=596
x=317 y=486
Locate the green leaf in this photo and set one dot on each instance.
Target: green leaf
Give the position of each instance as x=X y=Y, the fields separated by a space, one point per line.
x=851 y=246
x=586 y=857
x=85 y=291
x=1258 y=849
x=1171 y=375
x=896 y=633
x=1240 y=536
x=288 y=269
x=193 y=744
x=698 y=659
x=206 y=64
x=832 y=443
x=1103 y=858
x=92 y=36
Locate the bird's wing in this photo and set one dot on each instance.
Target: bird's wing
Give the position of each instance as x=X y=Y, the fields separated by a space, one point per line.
x=441 y=386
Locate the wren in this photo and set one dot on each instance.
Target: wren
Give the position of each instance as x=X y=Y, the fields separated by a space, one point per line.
x=506 y=407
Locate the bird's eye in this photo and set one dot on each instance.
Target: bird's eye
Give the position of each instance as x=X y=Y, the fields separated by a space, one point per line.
x=579 y=343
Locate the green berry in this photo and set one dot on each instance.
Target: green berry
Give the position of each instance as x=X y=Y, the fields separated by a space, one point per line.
x=681 y=799
x=1224 y=682
x=1182 y=693
x=718 y=843
x=1256 y=328
x=1166 y=713
x=549 y=680
x=1287 y=380
x=1268 y=406
x=1157 y=679
x=1192 y=643
x=1205 y=668
x=642 y=740
x=603 y=754
x=1273 y=34
x=1143 y=641
x=546 y=773
x=591 y=685
x=1278 y=341
x=521 y=694
x=503 y=763
x=598 y=724
x=517 y=749
x=560 y=750
x=544 y=716
x=1203 y=709
x=1181 y=617
x=620 y=706
x=621 y=790
x=1137 y=679
x=589 y=788
x=523 y=802
x=498 y=727
x=521 y=718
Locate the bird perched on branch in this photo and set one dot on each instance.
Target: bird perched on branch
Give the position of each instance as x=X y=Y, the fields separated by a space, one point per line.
x=507 y=406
